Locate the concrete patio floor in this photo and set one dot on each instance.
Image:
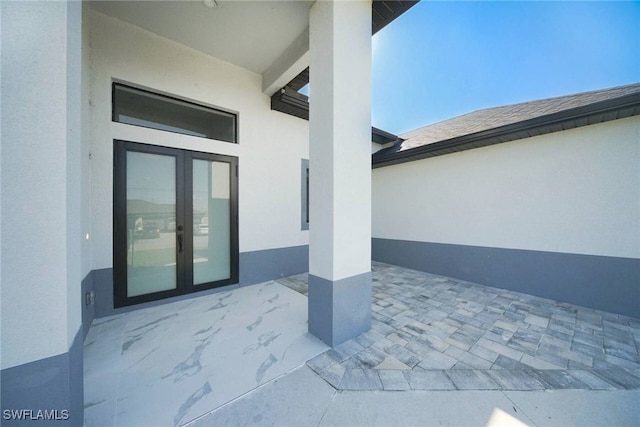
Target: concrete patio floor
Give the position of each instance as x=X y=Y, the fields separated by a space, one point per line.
x=302 y=398
x=440 y=352
x=170 y=364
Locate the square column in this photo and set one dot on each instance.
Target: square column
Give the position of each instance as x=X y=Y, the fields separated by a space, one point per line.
x=340 y=170
x=43 y=65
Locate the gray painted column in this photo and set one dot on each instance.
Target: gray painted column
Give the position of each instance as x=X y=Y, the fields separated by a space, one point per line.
x=340 y=170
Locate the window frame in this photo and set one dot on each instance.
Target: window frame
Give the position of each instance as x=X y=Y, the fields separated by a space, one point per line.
x=184 y=216
x=175 y=100
x=304 y=193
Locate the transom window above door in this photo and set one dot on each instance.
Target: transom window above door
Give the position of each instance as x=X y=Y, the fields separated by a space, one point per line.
x=139 y=107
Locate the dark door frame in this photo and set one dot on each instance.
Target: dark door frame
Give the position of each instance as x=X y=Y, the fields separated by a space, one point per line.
x=184 y=217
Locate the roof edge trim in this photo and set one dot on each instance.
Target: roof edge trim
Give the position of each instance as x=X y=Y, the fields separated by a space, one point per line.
x=511 y=132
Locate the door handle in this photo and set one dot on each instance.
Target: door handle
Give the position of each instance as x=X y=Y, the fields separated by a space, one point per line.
x=180 y=239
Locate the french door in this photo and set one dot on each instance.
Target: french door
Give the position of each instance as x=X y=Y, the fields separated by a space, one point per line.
x=175 y=222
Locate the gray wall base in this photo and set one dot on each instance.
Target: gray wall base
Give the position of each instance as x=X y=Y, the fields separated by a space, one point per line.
x=88 y=311
x=255 y=267
x=54 y=383
x=604 y=283
x=339 y=310
x=103 y=288
x=269 y=264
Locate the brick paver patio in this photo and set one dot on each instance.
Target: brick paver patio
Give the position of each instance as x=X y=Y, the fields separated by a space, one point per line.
x=436 y=333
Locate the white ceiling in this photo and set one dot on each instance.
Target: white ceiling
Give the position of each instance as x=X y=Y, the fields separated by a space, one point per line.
x=250 y=34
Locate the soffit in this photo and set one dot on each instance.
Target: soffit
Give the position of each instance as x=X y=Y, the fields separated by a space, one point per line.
x=250 y=34
x=288 y=101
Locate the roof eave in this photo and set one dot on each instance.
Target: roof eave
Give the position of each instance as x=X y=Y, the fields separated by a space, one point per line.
x=603 y=111
x=297 y=104
x=382 y=137
x=383 y=12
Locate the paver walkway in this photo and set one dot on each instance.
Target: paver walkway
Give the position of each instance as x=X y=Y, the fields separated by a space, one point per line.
x=436 y=333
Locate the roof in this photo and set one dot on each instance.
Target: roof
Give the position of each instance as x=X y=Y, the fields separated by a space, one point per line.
x=507 y=123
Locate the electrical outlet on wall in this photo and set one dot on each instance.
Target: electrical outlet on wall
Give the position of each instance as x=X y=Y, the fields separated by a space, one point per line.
x=90 y=298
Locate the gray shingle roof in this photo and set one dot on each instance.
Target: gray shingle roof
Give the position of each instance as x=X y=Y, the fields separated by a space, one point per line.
x=506 y=123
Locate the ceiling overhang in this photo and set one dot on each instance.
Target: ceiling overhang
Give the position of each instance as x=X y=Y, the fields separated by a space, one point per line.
x=251 y=34
x=288 y=100
x=288 y=66
x=384 y=12
x=232 y=30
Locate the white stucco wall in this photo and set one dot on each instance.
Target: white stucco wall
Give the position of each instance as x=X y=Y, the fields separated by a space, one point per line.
x=270 y=147
x=40 y=175
x=576 y=191
x=85 y=161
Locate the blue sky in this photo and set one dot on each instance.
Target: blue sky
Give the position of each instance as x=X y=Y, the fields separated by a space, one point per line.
x=443 y=59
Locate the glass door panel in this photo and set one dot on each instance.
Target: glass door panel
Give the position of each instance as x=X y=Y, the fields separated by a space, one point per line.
x=151 y=223
x=211 y=221
x=175 y=222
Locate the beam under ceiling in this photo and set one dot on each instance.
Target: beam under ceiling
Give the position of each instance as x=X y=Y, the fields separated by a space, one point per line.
x=289 y=101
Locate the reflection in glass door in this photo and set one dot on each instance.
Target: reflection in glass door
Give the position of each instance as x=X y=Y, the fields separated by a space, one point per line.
x=211 y=219
x=151 y=243
x=175 y=222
